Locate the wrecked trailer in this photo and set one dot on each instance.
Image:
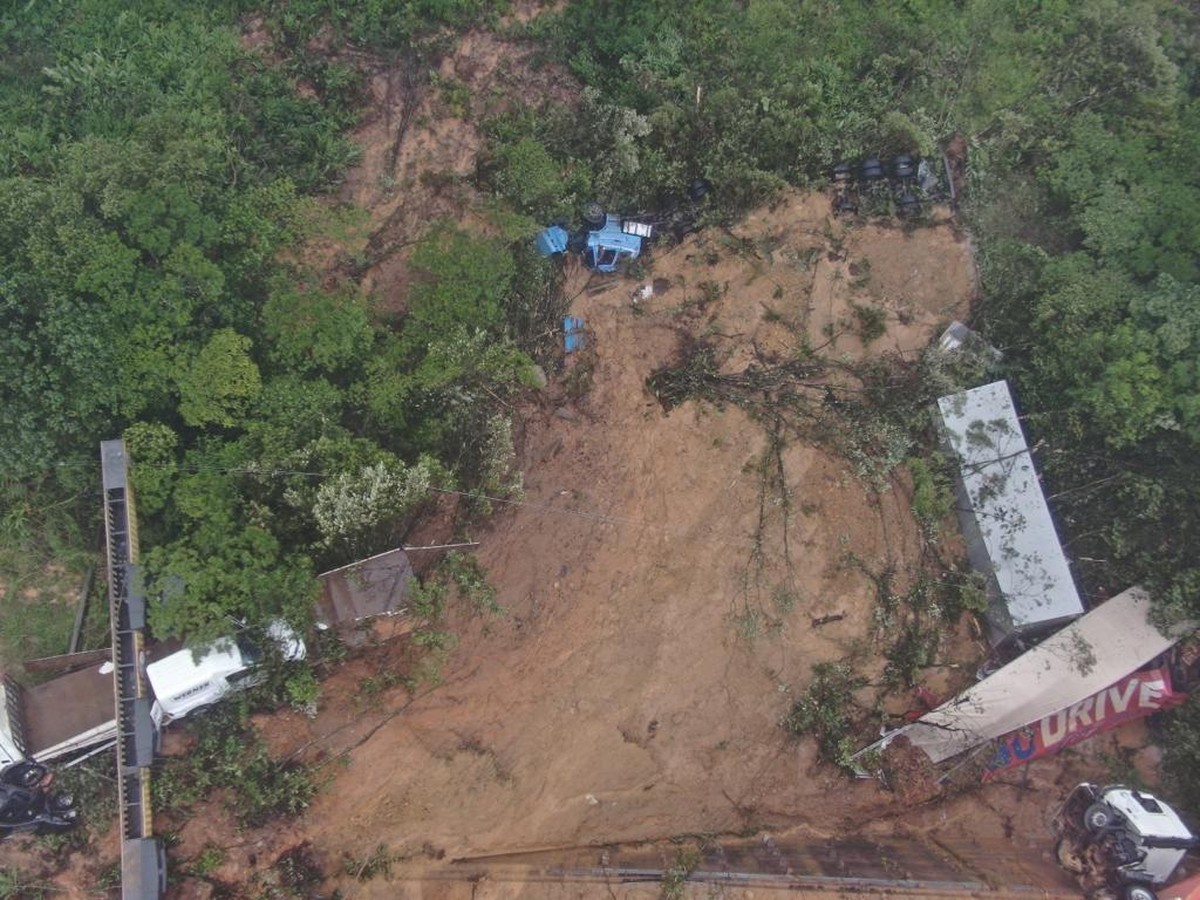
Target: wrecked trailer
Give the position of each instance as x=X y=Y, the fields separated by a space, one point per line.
x=1088 y=656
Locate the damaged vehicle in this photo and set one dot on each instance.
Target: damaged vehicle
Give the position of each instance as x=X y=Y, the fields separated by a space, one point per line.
x=29 y=806
x=1120 y=842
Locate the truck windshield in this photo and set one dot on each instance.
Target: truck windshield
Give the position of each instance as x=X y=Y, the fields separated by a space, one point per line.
x=251 y=652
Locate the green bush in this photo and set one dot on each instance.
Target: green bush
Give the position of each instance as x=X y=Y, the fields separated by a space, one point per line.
x=527 y=176
x=933 y=499
x=828 y=711
x=229 y=755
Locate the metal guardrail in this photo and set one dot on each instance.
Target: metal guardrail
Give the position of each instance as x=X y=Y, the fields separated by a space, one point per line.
x=143 y=861
x=897 y=865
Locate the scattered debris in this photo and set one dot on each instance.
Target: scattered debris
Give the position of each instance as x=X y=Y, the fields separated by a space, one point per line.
x=959 y=338
x=826 y=620
x=574 y=336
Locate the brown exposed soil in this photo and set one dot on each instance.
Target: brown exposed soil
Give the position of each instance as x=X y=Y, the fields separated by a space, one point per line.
x=635 y=686
x=420 y=147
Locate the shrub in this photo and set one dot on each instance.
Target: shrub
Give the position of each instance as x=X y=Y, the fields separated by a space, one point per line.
x=932 y=497
x=827 y=711
x=229 y=754
x=527 y=176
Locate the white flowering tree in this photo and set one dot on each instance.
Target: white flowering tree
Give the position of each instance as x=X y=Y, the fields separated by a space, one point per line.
x=354 y=509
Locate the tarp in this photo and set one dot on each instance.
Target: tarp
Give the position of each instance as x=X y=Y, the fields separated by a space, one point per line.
x=1093 y=652
x=574 y=335
x=1134 y=696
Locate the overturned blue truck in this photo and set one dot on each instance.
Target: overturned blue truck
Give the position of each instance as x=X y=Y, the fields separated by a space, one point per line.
x=606 y=240
x=603 y=248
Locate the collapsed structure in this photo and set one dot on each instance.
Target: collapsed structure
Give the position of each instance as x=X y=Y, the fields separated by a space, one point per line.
x=1070 y=682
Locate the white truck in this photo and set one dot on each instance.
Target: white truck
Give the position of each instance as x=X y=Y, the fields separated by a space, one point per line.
x=1120 y=842
x=75 y=712
x=183 y=683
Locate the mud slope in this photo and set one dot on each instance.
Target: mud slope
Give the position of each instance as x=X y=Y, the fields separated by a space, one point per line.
x=635 y=687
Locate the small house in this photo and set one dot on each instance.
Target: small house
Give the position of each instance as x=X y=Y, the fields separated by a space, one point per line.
x=370 y=588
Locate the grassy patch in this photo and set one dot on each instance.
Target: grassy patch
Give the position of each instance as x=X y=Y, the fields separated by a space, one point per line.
x=676 y=875
x=933 y=500
x=871 y=322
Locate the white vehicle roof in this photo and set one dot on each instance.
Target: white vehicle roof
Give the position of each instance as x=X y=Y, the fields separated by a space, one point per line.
x=1148 y=815
x=290 y=644
x=1008 y=511
x=179 y=678
x=181 y=681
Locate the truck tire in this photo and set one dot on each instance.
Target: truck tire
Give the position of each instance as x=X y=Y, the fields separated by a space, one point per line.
x=593 y=215
x=201 y=711
x=62 y=802
x=1097 y=817
x=872 y=170
x=903 y=167
x=27 y=774
x=1138 y=892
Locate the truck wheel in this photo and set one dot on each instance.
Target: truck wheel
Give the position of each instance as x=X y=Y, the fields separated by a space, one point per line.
x=593 y=215
x=26 y=774
x=62 y=802
x=1139 y=892
x=1097 y=817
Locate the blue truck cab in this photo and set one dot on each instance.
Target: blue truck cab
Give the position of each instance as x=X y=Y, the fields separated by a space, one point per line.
x=603 y=246
x=614 y=242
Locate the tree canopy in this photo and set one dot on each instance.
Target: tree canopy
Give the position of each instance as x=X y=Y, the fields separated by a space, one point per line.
x=152 y=169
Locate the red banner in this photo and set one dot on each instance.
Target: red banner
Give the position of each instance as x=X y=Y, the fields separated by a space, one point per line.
x=1133 y=697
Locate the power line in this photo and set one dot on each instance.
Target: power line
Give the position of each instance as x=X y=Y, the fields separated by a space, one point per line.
x=537 y=506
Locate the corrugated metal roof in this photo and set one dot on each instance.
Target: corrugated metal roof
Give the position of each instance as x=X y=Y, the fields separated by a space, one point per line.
x=1008 y=506
x=377 y=586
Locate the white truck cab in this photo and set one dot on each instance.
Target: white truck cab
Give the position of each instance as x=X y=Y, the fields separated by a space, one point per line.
x=1120 y=842
x=185 y=681
x=1160 y=836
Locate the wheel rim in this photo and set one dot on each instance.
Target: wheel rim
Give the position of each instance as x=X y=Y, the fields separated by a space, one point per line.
x=1097 y=817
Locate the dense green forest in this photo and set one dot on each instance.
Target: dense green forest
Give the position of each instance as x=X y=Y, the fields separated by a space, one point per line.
x=153 y=169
